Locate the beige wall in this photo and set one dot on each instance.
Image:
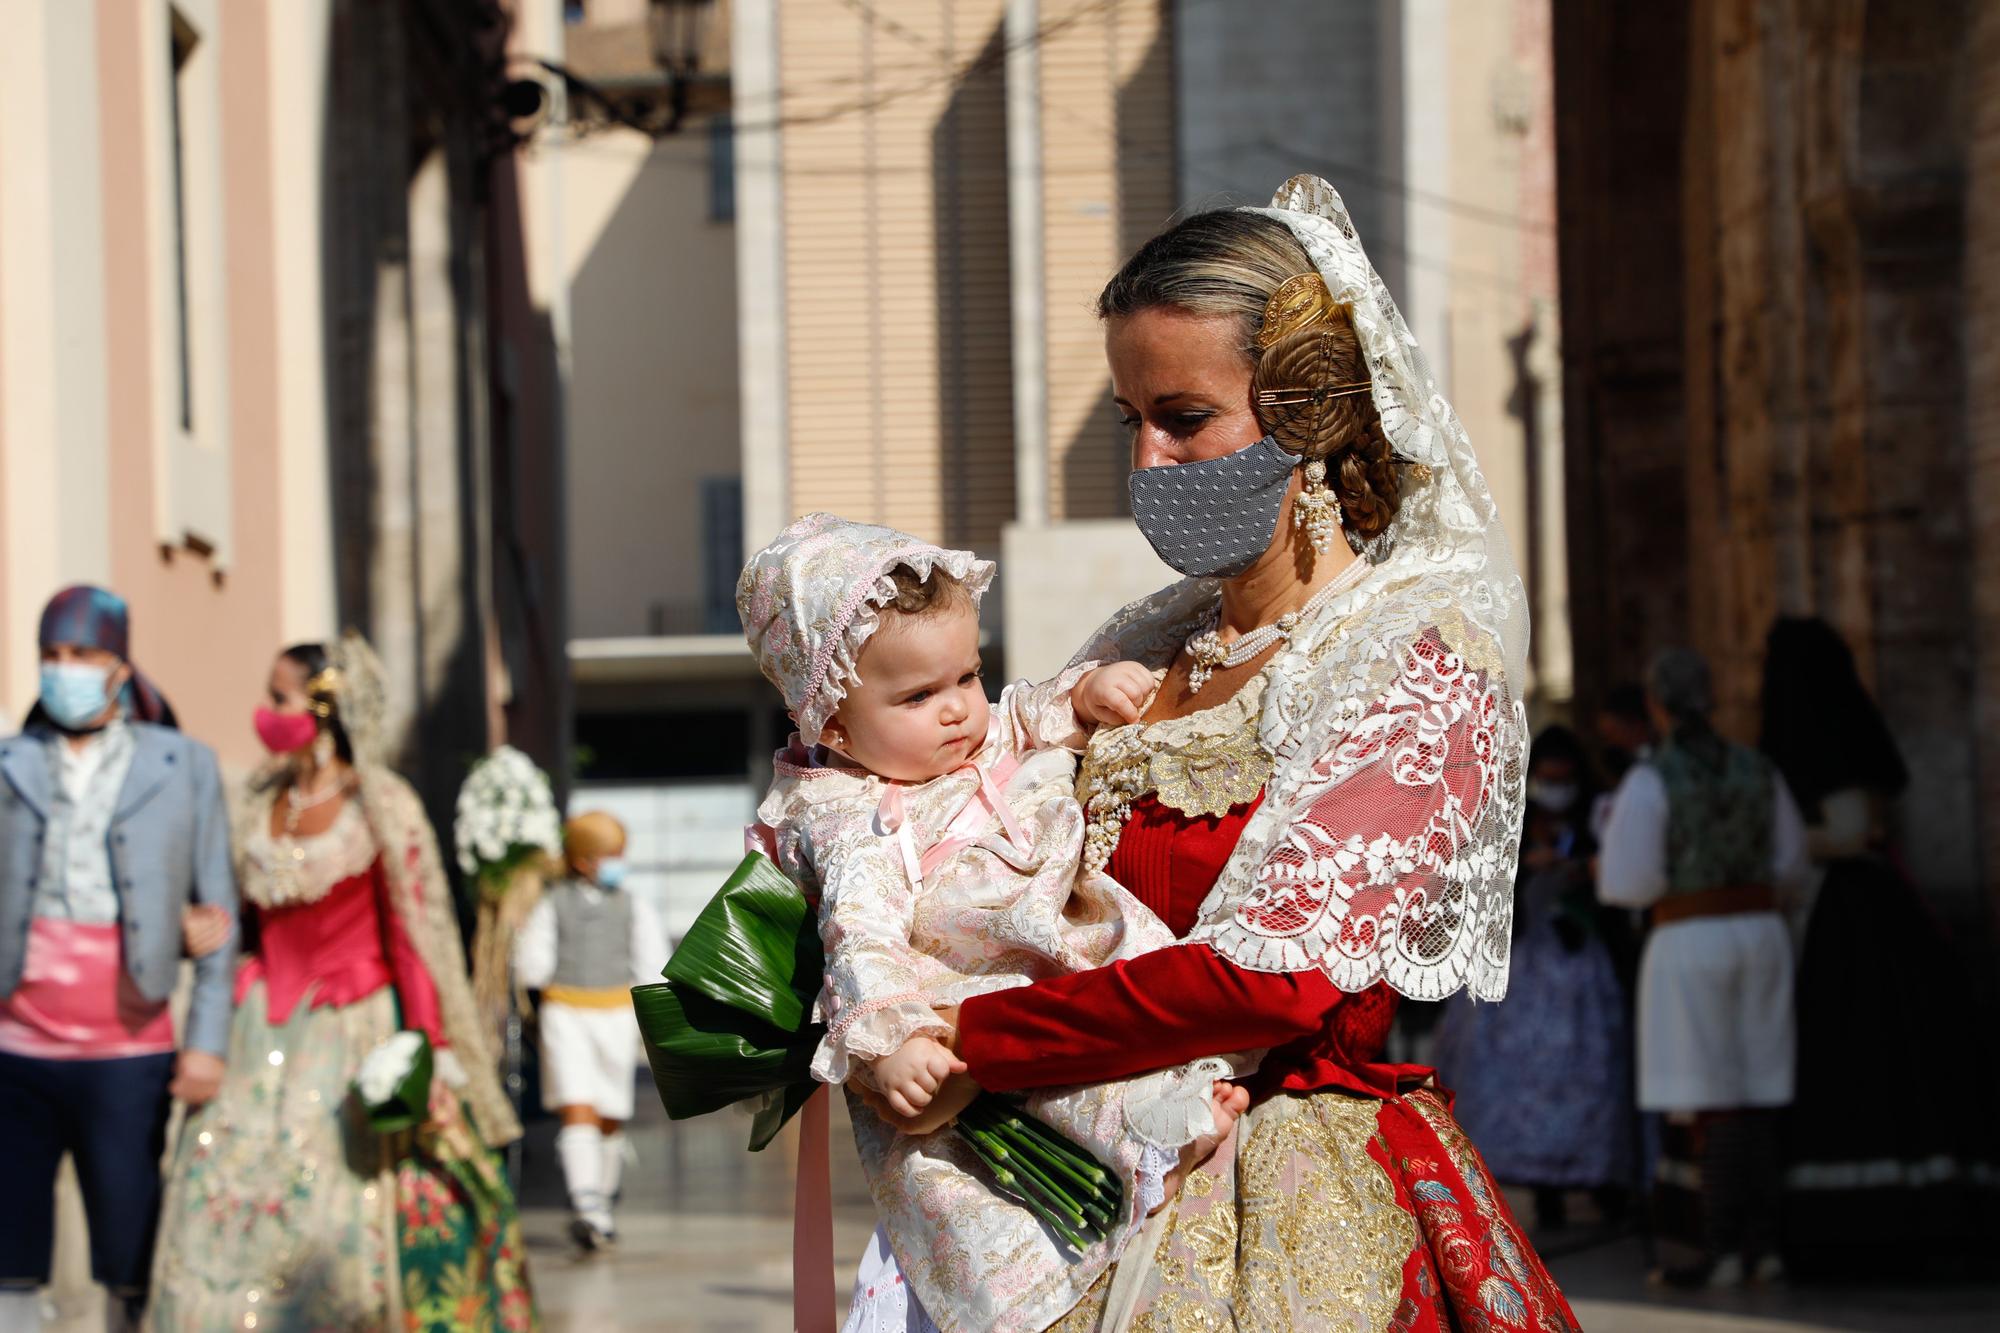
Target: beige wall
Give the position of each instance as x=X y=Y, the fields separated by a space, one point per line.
x=895 y=271
x=652 y=404
x=98 y=480
x=1107 y=145
x=1479 y=261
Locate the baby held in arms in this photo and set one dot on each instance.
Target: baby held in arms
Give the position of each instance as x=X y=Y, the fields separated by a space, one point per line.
x=941 y=836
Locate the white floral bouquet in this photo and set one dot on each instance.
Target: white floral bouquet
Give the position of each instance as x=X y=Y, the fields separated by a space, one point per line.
x=394 y=1082
x=506 y=819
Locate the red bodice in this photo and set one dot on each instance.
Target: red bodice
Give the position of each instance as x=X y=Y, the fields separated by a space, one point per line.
x=341 y=947
x=1183 y=1002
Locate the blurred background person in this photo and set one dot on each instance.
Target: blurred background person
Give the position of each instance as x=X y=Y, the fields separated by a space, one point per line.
x=584 y=946
x=1867 y=1195
x=1624 y=730
x=1543 y=1078
x=111 y=822
x=1704 y=835
x=285 y=1205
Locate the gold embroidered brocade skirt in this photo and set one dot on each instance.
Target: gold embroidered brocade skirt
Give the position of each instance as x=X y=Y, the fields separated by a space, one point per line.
x=1341 y=1213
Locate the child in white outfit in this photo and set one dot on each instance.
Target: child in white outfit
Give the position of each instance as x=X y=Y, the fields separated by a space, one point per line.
x=585 y=944
x=943 y=841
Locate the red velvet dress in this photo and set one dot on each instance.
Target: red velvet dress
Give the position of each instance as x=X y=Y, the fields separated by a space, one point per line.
x=1471 y=1265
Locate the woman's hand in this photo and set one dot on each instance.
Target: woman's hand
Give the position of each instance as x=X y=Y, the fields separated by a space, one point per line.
x=204 y=929
x=1113 y=694
x=197 y=1077
x=444 y=1107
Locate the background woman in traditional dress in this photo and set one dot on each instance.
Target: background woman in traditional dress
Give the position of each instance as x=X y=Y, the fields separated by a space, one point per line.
x=285 y=1208
x=1324 y=795
x=1868 y=1196
x=1544 y=1080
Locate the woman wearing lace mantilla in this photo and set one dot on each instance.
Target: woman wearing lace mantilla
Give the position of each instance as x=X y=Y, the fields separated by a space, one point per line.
x=286 y=1207
x=1323 y=800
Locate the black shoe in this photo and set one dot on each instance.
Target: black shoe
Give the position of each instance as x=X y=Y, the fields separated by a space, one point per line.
x=587 y=1237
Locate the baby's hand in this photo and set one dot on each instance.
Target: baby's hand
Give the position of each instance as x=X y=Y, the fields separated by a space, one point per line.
x=956 y=1093
x=1227 y=1103
x=1113 y=694
x=911 y=1077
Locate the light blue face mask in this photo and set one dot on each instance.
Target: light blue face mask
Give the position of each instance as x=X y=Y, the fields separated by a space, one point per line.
x=611 y=872
x=73 y=693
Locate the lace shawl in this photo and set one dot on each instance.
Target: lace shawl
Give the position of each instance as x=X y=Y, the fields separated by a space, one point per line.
x=1386 y=845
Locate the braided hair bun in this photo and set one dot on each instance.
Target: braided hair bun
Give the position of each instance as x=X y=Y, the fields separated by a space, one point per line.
x=1305 y=371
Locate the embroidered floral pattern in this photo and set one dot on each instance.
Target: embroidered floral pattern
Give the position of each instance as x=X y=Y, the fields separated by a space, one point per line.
x=1206 y=763
x=282 y=1202
x=1342 y=1213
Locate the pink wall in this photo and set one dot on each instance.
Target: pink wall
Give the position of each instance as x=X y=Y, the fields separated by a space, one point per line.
x=207 y=637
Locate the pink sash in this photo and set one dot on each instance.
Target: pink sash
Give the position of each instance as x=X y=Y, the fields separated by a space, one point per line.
x=75 y=1001
x=812 y=1220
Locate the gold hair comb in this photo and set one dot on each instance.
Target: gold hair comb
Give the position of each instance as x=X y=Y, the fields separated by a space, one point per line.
x=1299 y=303
x=322 y=690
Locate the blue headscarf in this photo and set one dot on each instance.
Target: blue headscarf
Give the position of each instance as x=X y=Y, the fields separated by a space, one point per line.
x=90 y=617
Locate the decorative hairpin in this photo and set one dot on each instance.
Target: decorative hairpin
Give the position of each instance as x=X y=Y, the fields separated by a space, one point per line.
x=1291 y=397
x=323 y=689
x=1299 y=303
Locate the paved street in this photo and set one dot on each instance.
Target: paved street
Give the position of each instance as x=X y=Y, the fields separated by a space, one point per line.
x=706 y=1245
x=707 y=1240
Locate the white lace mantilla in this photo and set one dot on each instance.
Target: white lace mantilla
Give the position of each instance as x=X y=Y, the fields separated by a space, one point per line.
x=1386 y=844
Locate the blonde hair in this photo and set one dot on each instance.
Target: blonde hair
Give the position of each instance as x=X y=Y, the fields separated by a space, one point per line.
x=593 y=834
x=1228 y=263
x=927 y=595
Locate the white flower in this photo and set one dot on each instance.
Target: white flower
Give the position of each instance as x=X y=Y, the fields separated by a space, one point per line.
x=388 y=1065
x=506 y=804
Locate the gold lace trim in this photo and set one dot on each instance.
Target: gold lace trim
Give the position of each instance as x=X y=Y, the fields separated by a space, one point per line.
x=1206 y=763
x=285 y=872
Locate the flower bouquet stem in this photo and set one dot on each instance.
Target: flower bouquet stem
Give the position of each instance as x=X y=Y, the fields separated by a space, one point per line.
x=1069 y=1190
x=501 y=915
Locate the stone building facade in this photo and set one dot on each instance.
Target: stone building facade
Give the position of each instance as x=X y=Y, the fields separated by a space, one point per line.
x=1778 y=225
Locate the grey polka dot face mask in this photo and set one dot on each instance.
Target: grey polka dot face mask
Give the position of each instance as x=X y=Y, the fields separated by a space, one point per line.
x=1215 y=517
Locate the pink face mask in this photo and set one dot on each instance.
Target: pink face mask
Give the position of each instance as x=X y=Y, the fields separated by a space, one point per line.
x=283 y=733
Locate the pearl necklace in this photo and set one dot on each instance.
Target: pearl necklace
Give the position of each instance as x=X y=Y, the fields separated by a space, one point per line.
x=296 y=805
x=1211 y=654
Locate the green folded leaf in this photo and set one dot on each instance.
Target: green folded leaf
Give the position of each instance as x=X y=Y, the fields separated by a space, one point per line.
x=706 y=1055
x=776 y=1107
x=755 y=947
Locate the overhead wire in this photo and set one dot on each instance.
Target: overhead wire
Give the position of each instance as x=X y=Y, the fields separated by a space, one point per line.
x=1348 y=173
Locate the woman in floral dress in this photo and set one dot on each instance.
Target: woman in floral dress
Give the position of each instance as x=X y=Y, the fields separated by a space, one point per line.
x=285 y=1208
